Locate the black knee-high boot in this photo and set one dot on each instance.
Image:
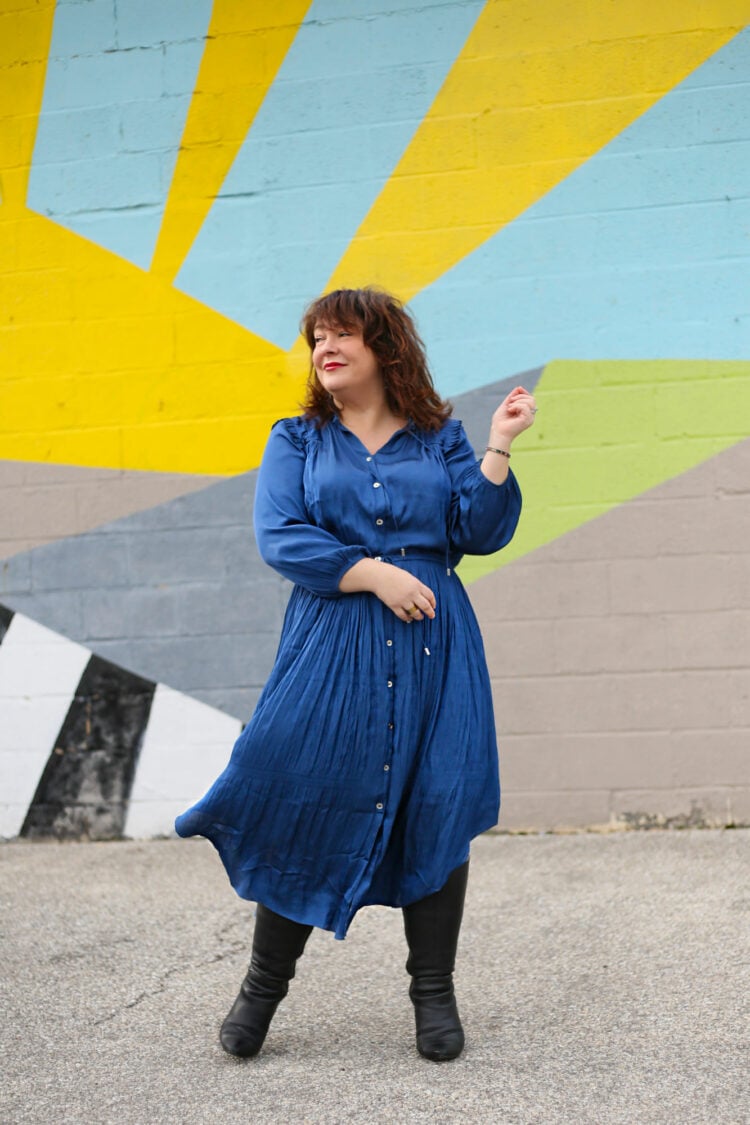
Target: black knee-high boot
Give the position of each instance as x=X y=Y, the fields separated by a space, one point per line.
x=432 y=927
x=277 y=944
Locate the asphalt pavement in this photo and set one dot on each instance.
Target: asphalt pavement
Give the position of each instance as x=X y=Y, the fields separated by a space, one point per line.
x=602 y=979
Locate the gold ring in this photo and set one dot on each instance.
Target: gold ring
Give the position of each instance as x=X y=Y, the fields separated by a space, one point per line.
x=413 y=609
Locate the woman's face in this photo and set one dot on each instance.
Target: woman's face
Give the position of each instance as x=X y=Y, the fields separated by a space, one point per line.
x=345 y=366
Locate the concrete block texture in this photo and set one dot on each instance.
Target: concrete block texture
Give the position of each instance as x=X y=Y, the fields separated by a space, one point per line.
x=613 y=671
x=176 y=593
x=620 y=668
x=41 y=503
x=615 y=761
x=560 y=191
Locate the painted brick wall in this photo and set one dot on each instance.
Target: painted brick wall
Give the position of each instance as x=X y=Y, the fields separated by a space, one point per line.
x=619 y=656
x=561 y=191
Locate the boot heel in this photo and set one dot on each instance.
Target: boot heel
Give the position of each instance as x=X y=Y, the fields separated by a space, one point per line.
x=440 y=1036
x=244 y=1030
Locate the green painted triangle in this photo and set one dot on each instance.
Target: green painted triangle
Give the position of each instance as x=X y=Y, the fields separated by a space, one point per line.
x=608 y=431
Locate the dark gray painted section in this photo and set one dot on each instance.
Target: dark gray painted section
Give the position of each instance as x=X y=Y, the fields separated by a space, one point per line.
x=6 y=616
x=178 y=593
x=86 y=784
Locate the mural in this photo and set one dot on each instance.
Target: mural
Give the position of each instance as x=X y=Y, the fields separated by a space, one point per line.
x=562 y=193
x=91 y=750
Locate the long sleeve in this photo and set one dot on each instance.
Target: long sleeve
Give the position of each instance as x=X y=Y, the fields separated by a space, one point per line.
x=484 y=515
x=287 y=539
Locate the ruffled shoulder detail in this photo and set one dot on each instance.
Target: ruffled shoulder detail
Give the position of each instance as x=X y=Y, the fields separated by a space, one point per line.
x=299 y=430
x=451 y=435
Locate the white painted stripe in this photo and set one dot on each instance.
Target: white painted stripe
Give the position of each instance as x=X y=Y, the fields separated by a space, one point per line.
x=39 y=673
x=186 y=746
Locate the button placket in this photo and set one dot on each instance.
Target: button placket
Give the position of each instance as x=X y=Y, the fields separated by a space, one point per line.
x=390 y=686
x=379 y=515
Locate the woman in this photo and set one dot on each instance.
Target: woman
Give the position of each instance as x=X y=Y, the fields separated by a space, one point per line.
x=370 y=762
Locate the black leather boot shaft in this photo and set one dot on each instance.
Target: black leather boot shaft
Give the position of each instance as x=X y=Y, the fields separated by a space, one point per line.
x=432 y=926
x=278 y=943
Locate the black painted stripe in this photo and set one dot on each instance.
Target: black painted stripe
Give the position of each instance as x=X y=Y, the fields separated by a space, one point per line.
x=85 y=788
x=6 y=616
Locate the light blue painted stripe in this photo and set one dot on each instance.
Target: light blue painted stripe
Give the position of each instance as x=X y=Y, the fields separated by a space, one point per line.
x=643 y=252
x=353 y=89
x=119 y=82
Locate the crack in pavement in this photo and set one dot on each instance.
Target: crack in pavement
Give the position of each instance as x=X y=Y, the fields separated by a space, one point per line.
x=233 y=948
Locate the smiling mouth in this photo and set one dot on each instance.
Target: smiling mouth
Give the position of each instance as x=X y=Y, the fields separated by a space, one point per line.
x=331 y=366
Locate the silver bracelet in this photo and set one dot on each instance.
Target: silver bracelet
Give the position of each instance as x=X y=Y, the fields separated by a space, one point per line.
x=491 y=449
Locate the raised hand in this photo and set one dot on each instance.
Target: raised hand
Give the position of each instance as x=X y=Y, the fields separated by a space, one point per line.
x=514 y=415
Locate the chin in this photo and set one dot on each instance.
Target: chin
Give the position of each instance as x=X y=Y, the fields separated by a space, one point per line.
x=333 y=386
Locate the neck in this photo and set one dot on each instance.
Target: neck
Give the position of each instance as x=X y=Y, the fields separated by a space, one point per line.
x=369 y=414
x=373 y=424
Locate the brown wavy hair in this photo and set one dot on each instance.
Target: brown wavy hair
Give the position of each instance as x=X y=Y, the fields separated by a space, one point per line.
x=388 y=329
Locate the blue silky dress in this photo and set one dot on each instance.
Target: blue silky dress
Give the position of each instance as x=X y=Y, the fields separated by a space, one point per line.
x=370 y=761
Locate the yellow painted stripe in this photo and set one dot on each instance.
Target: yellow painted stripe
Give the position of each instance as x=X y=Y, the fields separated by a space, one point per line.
x=106 y=365
x=608 y=431
x=245 y=46
x=103 y=364
x=25 y=34
x=538 y=89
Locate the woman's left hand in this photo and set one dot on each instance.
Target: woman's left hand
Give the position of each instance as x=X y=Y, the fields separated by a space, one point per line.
x=514 y=415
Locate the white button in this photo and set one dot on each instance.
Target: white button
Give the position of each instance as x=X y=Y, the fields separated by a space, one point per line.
x=386 y=768
x=390 y=683
x=378 y=558
x=376 y=484
x=389 y=643
x=368 y=458
x=379 y=805
x=379 y=523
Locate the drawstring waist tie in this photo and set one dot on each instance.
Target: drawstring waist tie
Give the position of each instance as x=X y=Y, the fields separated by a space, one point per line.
x=416 y=555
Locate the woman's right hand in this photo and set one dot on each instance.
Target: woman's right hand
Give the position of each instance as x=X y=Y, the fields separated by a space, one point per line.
x=404 y=594
x=401 y=591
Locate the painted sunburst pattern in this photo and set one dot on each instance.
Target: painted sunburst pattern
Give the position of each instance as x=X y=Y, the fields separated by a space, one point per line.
x=561 y=191
x=560 y=188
